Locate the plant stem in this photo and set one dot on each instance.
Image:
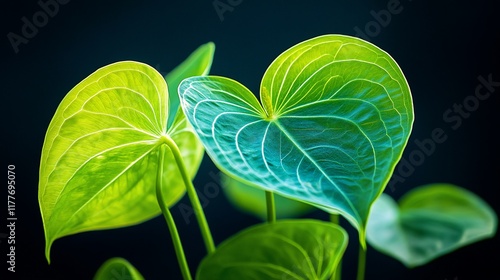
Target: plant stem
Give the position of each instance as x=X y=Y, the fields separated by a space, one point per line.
x=193 y=197
x=337 y=275
x=179 y=250
x=361 y=263
x=271 y=207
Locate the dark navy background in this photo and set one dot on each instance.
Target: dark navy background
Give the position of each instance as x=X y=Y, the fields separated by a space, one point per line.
x=441 y=46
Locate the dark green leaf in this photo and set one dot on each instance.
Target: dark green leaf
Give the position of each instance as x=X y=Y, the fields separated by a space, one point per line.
x=290 y=249
x=117 y=269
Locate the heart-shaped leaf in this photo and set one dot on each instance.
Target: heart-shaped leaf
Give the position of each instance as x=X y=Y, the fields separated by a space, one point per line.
x=287 y=249
x=252 y=200
x=336 y=115
x=430 y=221
x=119 y=269
x=99 y=159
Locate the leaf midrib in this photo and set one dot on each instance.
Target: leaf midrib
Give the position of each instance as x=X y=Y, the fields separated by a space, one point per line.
x=298 y=146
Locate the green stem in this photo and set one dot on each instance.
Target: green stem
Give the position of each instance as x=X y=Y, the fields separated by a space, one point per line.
x=337 y=275
x=193 y=197
x=176 y=240
x=361 y=263
x=271 y=207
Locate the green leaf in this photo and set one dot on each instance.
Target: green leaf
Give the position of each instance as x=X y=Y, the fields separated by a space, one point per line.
x=430 y=221
x=117 y=269
x=197 y=64
x=100 y=155
x=100 y=152
x=179 y=129
x=287 y=249
x=252 y=200
x=336 y=115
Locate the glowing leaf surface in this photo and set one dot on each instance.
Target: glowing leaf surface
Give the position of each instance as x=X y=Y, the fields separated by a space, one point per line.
x=100 y=155
x=335 y=117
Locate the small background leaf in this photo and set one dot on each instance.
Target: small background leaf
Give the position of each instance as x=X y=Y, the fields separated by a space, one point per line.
x=430 y=221
x=117 y=269
x=290 y=249
x=252 y=200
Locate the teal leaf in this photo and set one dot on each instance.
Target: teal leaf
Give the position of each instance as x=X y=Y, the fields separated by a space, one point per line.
x=117 y=269
x=335 y=117
x=429 y=221
x=287 y=249
x=252 y=200
x=100 y=155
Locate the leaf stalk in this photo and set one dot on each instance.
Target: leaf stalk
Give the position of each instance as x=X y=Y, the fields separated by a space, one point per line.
x=337 y=274
x=361 y=263
x=179 y=250
x=193 y=196
x=271 y=207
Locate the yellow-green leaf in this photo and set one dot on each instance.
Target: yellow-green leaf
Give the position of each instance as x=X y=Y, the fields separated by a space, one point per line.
x=100 y=155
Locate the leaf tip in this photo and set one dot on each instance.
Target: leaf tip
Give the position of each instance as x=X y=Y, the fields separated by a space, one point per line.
x=48 y=246
x=210 y=46
x=208 y=50
x=47 y=254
